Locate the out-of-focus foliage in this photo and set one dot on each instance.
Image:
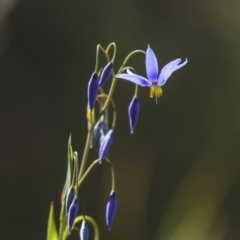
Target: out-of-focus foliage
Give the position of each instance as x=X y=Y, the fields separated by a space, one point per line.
x=178 y=175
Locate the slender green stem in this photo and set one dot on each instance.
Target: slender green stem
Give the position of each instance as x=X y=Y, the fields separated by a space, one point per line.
x=103 y=95
x=128 y=57
x=105 y=52
x=63 y=224
x=106 y=115
x=114 y=81
x=85 y=154
x=75 y=157
x=89 y=219
x=114 y=51
x=92 y=166
x=113 y=174
x=99 y=47
x=87 y=171
x=114 y=119
x=136 y=90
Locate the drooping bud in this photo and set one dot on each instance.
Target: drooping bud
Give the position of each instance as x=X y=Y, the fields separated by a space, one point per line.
x=106 y=73
x=69 y=198
x=105 y=143
x=95 y=133
x=111 y=209
x=133 y=113
x=99 y=128
x=93 y=86
x=84 y=232
x=72 y=213
x=104 y=127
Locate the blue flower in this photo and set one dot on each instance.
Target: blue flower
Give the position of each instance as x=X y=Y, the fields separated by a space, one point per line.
x=133 y=112
x=111 y=209
x=155 y=79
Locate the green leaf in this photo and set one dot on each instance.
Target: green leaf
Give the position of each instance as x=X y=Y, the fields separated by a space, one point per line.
x=63 y=214
x=51 y=228
x=69 y=164
x=69 y=170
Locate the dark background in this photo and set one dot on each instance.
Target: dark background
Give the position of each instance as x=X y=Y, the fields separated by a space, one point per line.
x=178 y=176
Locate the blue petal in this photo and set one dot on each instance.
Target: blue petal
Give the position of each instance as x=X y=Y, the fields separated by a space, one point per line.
x=139 y=80
x=72 y=213
x=151 y=65
x=133 y=112
x=106 y=73
x=168 y=69
x=128 y=71
x=111 y=209
x=96 y=133
x=93 y=86
x=104 y=128
x=70 y=197
x=105 y=144
x=84 y=231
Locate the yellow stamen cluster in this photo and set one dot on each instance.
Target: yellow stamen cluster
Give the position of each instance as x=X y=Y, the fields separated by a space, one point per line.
x=155 y=91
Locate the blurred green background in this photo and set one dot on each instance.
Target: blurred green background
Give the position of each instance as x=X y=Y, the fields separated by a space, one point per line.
x=178 y=176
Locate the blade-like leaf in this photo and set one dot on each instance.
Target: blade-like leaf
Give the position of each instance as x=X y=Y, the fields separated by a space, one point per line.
x=51 y=228
x=69 y=170
x=69 y=164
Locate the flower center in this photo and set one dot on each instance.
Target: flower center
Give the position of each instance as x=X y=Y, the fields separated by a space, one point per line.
x=155 y=91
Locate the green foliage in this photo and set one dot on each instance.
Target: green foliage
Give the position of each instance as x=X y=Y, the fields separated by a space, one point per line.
x=51 y=228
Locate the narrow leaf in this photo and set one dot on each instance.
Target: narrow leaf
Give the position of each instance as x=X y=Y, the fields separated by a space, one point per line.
x=51 y=228
x=69 y=170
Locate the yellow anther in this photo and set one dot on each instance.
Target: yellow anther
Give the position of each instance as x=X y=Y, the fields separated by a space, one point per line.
x=155 y=91
x=152 y=91
x=158 y=91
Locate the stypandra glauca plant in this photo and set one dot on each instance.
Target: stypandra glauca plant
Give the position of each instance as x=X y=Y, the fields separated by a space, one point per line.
x=100 y=129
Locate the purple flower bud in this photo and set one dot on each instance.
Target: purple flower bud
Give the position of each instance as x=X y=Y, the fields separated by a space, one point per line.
x=105 y=143
x=84 y=232
x=95 y=133
x=93 y=86
x=111 y=209
x=106 y=73
x=133 y=112
x=104 y=127
x=72 y=213
x=69 y=198
x=99 y=127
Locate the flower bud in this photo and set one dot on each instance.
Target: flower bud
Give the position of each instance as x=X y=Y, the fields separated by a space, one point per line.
x=95 y=133
x=104 y=127
x=93 y=86
x=105 y=143
x=84 y=232
x=72 y=213
x=69 y=198
x=111 y=209
x=106 y=73
x=133 y=112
